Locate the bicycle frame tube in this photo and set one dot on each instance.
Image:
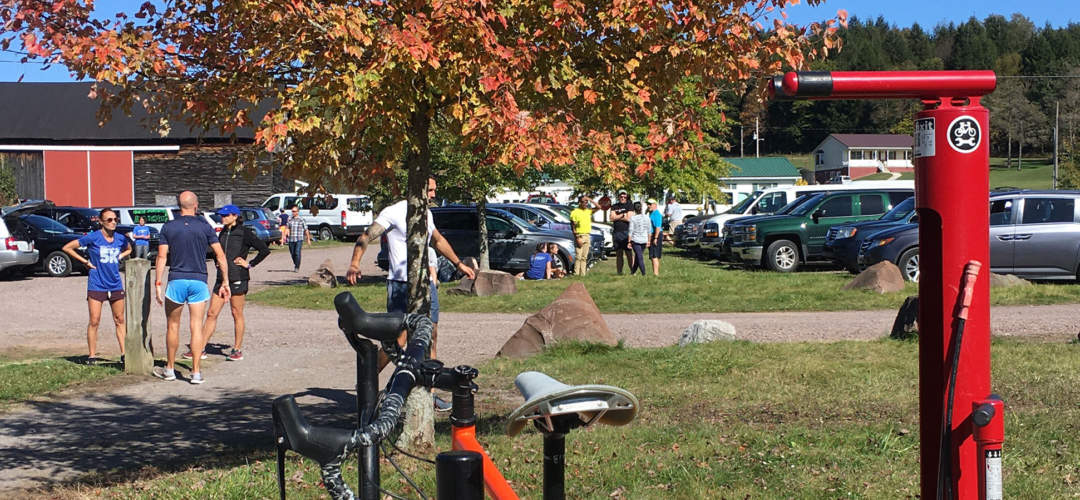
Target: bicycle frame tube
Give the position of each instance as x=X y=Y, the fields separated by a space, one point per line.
x=464 y=438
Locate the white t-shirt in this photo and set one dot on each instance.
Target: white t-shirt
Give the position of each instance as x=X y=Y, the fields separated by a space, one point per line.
x=674 y=213
x=393 y=219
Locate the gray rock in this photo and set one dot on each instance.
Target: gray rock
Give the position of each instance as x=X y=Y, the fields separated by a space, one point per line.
x=571 y=316
x=1006 y=281
x=707 y=330
x=883 y=277
x=324 y=276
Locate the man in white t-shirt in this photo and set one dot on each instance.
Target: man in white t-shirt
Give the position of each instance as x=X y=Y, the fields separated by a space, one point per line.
x=391 y=221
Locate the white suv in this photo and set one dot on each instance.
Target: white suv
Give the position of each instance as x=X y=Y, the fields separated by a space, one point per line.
x=14 y=253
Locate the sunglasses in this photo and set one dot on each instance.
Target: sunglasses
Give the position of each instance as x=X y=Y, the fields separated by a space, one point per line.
x=110 y=219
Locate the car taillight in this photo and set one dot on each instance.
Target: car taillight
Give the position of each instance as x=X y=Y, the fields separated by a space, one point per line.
x=343 y=218
x=9 y=243
x=265 y=223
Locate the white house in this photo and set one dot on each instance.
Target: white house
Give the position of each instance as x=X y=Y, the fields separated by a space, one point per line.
x=859 y=155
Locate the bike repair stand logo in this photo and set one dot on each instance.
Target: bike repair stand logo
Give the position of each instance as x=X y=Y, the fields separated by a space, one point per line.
x=964 y=134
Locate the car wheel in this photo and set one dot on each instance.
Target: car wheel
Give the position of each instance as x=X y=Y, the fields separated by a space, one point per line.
x=58 y=264
x=909 y=264
x=782 y=256
x=325 y=234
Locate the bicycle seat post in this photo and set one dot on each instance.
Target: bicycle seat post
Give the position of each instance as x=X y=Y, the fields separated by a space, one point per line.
x=367 y=394
x=555 y=454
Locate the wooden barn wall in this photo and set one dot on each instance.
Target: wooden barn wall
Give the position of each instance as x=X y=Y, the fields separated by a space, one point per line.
x=29 y=170
x=205 y=170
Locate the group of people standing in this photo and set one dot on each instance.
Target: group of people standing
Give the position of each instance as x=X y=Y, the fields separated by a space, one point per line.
x=184 y=242
x=635 y=231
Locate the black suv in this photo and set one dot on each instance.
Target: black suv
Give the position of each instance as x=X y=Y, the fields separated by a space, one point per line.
x=511 y=240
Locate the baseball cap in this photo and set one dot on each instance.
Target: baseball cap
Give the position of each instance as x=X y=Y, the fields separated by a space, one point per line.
x=228 y=210
x=622 y=192
x=651 y=201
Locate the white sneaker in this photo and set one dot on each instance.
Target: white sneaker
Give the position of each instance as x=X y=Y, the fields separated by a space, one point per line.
x=165 y=373
x=196 y=378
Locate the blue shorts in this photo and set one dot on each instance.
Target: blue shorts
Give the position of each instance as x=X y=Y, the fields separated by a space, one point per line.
x=187 y=291
x=397 y=298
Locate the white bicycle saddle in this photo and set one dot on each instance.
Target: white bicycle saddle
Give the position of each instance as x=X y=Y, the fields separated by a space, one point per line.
x=546 y=397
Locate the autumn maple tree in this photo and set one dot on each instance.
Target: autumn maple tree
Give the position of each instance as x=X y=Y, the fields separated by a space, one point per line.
x=347 y=91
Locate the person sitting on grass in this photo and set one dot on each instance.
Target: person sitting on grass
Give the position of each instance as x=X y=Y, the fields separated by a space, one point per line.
x=539 y=264
x=557 y=270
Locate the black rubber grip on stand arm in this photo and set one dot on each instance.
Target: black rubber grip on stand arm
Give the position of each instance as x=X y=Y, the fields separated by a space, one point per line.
x=352 y=320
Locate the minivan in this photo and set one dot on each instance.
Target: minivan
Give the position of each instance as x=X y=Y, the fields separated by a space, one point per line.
x=338 y=215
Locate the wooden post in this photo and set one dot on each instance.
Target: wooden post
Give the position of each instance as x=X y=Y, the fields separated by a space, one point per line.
x=138 y=344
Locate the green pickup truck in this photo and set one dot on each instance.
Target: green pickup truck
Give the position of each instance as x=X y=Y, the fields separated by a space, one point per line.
x=784 y=242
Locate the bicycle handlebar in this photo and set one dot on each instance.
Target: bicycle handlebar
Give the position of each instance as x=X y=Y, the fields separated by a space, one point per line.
x=353 y=320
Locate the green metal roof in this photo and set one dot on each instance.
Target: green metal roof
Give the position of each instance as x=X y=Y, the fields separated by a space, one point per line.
x=772 y=166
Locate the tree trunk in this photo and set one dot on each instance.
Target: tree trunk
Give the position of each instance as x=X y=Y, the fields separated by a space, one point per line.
x=418 y=165
x=482 y=244
x=1020 y=157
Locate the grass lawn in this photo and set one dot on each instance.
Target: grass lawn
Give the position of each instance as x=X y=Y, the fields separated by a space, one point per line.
x=686 y=285
x=723 y=420
x=22 y=379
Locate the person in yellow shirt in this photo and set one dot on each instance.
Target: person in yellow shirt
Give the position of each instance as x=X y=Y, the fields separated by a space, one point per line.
x=581 y=218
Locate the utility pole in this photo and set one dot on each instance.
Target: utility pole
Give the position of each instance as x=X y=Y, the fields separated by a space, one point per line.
x=1057 y=111
x=757 y=139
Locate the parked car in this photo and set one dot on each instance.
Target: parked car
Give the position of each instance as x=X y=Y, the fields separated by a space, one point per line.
x=1033 y=234
x=688 y=234
x=156 y=216
x=604 y=229
x=263 y=221
x=717 y=239
x=842 y=241
x=552 y=219
x=16 y=252
x=49 y=237
x=339 y=215
x=511 y=240
x=784 y=242
x=81 y=220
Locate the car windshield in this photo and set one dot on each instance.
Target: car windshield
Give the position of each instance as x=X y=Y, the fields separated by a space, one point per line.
x=900 y=211
x=808 y=205
x=741 y=206
x=45 y=224
x=555 y=214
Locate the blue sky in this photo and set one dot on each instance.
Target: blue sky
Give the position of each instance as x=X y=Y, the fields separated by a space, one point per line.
x=928 y=13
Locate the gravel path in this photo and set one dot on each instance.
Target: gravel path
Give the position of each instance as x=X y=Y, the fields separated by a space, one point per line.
x=301 y=351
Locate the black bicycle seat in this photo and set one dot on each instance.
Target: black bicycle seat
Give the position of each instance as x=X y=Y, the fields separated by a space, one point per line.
x=352 y=320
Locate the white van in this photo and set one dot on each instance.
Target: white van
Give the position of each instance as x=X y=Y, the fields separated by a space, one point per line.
x=773 y=199
x=337 y=215
x=157 y=216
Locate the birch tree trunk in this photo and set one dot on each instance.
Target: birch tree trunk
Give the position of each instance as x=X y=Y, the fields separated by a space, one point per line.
x=481 y=215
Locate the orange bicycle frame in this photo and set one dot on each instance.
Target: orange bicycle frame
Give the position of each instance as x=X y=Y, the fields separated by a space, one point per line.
x=464 y=439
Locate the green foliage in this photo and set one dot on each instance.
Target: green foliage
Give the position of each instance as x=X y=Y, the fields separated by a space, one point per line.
x=1069 y=170
x=8 y=195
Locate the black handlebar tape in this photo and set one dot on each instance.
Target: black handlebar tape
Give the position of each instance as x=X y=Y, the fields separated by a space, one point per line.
x=353 y=320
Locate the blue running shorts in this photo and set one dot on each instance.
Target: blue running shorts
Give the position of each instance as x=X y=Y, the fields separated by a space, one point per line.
x=187 y=291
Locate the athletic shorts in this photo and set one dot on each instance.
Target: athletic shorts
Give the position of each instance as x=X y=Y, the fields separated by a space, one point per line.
x=656 y=249
x=103 y=296
x=187 y=291
x=238 y=287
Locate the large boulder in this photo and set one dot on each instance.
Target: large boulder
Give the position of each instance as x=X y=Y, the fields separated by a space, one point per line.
x=883 y=277
x=1006 y=281
x=487 y=283
x=324 y=276
x=571 y=316
x=707 y=330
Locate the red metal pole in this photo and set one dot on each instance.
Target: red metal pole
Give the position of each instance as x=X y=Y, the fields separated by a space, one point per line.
x=952 y=197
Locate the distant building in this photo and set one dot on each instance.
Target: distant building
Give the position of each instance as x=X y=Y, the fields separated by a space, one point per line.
x=750 y=175
x=859 y=155
x=51 y=138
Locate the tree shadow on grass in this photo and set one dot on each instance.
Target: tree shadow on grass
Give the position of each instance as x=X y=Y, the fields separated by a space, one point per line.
x=114 y=438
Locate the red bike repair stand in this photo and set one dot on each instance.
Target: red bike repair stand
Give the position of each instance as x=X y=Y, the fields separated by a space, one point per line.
x=952 y=159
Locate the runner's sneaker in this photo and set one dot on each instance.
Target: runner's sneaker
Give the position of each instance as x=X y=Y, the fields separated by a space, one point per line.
x=196 y=378
x=164 y=373
x=235 y=355
x=187 y=355
x=441 y=404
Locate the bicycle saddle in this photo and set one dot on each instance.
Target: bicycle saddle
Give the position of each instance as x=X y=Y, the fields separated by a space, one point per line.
x=546 y=397
x=353 y=320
